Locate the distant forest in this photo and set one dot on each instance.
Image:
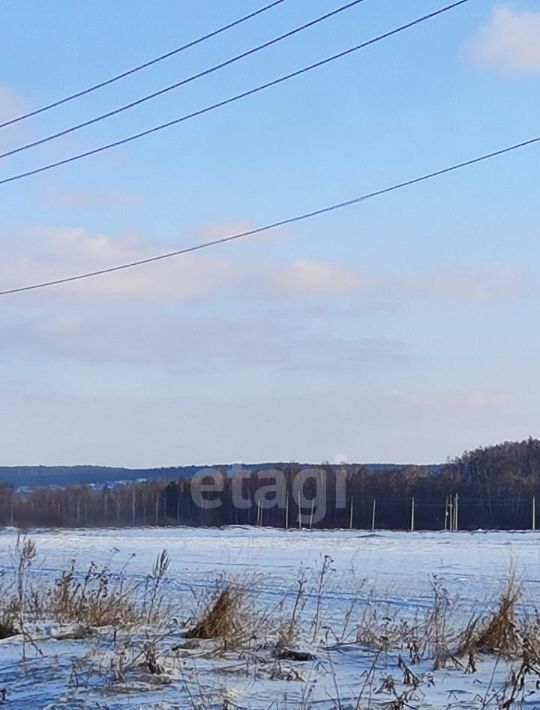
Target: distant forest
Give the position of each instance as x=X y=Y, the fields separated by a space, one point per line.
x=490 y=488
x=30 y=476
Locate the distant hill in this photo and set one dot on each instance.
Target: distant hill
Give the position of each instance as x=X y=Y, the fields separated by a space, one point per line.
x=31 y=476
x=492 y=487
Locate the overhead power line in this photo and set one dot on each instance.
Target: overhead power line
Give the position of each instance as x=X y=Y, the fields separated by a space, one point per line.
x=280 y=223
x=237 y=97
x=183 y=82
x=138 y=68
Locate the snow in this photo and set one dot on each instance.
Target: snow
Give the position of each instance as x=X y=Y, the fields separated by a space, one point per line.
x=391 y=571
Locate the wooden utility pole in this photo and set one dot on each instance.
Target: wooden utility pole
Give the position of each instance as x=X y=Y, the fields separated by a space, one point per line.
x=412 y=515
x=311 y=514
x=533 y=526
x=456 y=512
x=287 y=512
x=373 y=510
x=351 y=515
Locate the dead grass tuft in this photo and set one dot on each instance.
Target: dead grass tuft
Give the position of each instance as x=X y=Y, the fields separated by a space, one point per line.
x=500 y=632
x=226 y=615
x=98 y=599
x=95 y=598
x=7 y=626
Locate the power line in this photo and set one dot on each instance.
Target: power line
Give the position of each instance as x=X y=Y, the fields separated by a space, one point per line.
x=281 y=223
x=183 y=82
x=235 y=98
x=138 y=68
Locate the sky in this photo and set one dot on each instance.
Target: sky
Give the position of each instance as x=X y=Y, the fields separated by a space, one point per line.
x=404 y=329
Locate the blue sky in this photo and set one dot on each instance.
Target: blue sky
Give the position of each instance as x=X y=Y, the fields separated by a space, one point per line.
x=404 y=329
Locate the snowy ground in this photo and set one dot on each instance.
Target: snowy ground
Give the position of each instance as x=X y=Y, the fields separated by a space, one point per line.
x=390 y=571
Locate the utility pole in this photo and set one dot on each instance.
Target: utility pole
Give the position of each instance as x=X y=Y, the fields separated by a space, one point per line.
x=412 y=515
x=533 y=527
x=351 y=515
x=373 y=514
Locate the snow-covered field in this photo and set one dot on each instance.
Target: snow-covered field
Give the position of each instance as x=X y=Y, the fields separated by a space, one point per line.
x=389 y=573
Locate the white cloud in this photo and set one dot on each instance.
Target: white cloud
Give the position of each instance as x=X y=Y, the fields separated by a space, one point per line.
x=91 y=199
x=481 y=399
x=368 y=424
x=459 y=401
x=53 y=253
x=311 y=276
x=481 y=284
x=509 y=40
x=11 y=104
x=47 y=254
x=190 y=343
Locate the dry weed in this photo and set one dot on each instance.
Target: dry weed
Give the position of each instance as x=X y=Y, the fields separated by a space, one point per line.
x=500 y=632
x=226 y=615
x=98 y=599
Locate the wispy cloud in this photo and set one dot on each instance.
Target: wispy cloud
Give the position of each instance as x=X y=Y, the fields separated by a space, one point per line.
x=455 y=401
x=480 y=284
x=53 y=253
x=311 y=276
x=11 y=104
x=369 y=425
x=192 y=343
x=509 y=40
x=91 y=199
x=485 y=283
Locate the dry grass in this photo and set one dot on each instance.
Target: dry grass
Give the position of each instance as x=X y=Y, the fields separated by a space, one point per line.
x=289 y=628
x=430 y=635
x=438 y=637
x=226 y=615
x=8 y=625
x=500 y=632
x=9 y=610
x=98 y=599
x=153 y=599
x=94 y=598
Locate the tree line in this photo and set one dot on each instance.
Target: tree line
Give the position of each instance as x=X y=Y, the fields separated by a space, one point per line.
x=494 y=487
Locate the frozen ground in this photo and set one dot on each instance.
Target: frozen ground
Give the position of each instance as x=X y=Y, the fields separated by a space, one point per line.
x=392 y=572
